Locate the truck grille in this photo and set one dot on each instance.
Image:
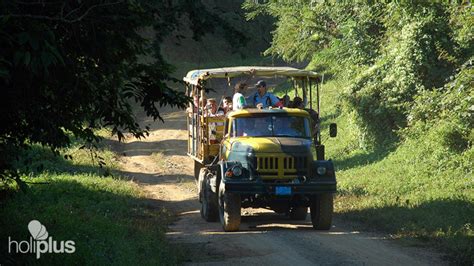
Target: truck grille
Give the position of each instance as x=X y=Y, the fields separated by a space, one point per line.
x=281 y=166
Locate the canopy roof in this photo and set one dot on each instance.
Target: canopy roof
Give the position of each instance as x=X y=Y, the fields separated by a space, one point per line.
x=194 y=76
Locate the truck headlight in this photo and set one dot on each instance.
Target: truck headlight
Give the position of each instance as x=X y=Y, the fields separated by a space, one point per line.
x=321 y=170
x=237 y=170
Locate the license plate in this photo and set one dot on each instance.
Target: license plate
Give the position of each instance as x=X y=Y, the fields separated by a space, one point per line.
x=283 y=190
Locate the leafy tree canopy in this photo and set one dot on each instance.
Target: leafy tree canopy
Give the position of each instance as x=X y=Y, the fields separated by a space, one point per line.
x=69 y=67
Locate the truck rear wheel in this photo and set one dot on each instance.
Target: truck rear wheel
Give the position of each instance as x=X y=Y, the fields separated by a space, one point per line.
x=298 y=213
x=197 y=170
x=209 y=208
x=229 y=209
x=321 y=211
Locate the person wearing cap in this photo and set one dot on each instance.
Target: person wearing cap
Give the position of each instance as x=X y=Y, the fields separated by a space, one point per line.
x=238 y=101
x=264 y=99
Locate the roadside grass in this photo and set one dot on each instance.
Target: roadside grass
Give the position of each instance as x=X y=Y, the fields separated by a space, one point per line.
x=411 y=189
x=108 y=218
x=159 y=158
x=187 y=184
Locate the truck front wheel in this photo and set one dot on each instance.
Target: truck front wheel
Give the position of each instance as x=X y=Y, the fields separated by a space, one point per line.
x=321 y=211
x=229 y=209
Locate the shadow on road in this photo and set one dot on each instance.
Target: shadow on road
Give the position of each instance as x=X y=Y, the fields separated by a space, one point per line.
x=145 y=148
x=157 y=178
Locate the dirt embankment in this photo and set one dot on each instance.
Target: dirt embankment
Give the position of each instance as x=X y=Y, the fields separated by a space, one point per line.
x=160 y=165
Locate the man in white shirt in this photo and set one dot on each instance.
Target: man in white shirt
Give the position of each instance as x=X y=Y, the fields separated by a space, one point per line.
x=238 y=101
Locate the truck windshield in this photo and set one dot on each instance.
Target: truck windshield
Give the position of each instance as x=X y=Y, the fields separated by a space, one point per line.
x=271 y=126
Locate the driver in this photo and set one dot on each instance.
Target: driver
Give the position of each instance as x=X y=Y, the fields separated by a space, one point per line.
x=249 y=129
x=256 y=127
x=281 y=126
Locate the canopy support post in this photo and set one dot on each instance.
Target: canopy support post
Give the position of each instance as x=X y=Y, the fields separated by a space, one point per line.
x=317 y=96
x=310 y=94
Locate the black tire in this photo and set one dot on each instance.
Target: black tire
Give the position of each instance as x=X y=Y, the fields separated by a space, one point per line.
x=298 y=213
x=208 y=199
x=200 y=183
x=321 y=211
x=197 y=170
x=229 y=210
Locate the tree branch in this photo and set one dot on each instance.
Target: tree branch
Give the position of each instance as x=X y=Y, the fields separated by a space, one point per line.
x=30 y=16
x=92 y=7
x=38 y=3
x=72 y=11
x=60 y=17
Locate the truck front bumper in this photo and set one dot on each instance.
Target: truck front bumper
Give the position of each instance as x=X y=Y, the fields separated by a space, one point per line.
x=281 y=189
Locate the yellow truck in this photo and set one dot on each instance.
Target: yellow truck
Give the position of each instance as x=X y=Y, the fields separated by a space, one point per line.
x=260 y=157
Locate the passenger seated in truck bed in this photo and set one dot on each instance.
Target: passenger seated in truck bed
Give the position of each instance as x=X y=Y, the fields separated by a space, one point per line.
x=212 y=110
x=298 y=103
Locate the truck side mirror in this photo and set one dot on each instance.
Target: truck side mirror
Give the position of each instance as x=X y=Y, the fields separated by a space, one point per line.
x=333 y=130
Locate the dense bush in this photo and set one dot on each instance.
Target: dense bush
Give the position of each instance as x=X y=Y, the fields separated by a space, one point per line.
x=418 y=56
x=390 y=52
x=452 y=104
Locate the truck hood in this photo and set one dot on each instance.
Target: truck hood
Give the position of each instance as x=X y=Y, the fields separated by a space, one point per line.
x=271 y=145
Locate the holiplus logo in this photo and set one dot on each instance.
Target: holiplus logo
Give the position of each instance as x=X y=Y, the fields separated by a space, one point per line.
x=40 y=243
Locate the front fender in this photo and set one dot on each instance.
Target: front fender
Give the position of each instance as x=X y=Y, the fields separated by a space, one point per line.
x=226 y=165
x=330 y=173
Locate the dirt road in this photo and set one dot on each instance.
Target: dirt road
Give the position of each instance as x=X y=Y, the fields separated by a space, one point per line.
x=160 y=165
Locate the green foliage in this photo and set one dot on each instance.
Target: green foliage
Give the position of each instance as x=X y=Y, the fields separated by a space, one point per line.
x=454 y=104
x=419 y=189
x=390 y=51
x=462 y=23
x=68 y=68
x=65 y=69
x=298 y=34
x=417 y=57
x=73 y=67
x=346 y=33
